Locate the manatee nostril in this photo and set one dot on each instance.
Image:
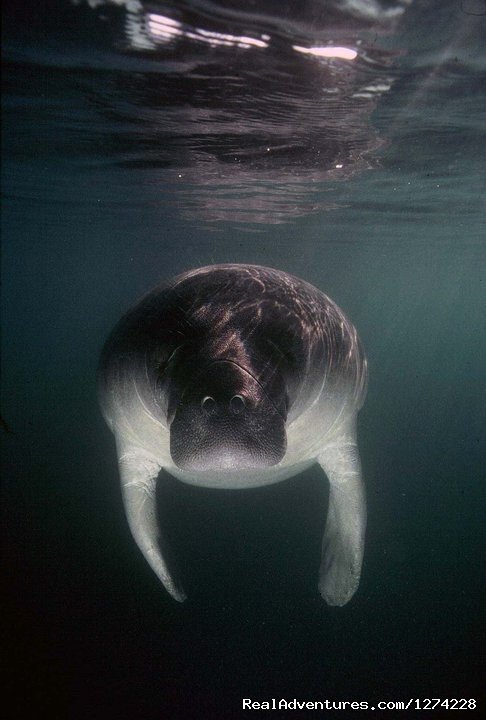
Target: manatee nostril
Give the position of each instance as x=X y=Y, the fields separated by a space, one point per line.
x=237 y=404
x=208 y=404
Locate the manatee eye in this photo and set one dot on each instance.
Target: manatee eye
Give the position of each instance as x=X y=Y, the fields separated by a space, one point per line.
x=208 y=404
x=237 y=404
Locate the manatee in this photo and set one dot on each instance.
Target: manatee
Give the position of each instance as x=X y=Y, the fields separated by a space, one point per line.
x=237 y=376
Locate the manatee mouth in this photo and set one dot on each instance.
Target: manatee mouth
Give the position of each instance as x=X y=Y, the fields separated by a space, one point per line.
x=226 y=421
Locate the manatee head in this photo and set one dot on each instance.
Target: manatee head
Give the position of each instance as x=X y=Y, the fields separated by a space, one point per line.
x=224 y=419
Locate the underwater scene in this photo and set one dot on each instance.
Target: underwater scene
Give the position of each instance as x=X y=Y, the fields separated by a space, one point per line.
x=261 y=492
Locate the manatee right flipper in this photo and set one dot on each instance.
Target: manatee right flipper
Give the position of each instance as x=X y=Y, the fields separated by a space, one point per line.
x=343 y=542
x=138 y=474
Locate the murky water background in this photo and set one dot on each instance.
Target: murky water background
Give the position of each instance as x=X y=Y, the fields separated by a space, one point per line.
x=129 y=156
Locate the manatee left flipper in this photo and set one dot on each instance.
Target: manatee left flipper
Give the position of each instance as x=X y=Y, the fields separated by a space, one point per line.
x=343 y=541
x=138 y=474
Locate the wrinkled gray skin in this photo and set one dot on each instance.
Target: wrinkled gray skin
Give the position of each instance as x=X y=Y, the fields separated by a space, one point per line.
x=234 y=376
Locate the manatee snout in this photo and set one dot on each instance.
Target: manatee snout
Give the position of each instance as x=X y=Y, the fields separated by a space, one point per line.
x=224 y=420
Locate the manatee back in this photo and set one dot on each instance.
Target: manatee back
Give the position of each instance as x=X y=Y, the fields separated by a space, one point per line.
x=217 y=312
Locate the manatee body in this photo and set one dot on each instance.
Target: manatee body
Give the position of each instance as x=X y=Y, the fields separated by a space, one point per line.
x=235 y=376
